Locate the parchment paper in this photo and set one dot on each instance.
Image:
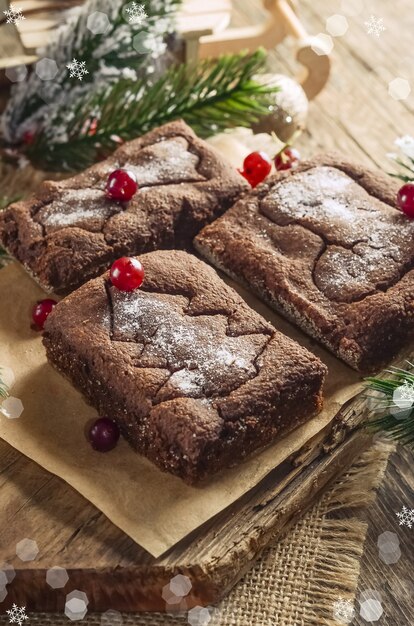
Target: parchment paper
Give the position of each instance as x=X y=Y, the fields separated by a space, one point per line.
x=153 y=508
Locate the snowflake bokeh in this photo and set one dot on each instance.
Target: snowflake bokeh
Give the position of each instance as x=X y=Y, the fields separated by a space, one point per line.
x=375 y=26
x=136 y=13
x=403 y=395
x=57 y=577
x=11 y=407
x=371 y=610
x=98 y=23
x=14 y=15
x=76 y=605
x=46 y=69
x=199 y=616
x=17 y=615
x=406 y=517
x=322 y=44
x=337 y=25
x=343 y=611
x=77 y=69
x=389 y=549
x=27 y=549
x=399 y=88
x=16 y=74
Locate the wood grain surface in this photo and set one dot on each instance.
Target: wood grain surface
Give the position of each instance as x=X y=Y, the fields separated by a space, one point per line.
x=114 y=571
x=356 y=115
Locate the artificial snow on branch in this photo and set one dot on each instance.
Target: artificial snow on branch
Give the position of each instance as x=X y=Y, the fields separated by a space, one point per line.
x=404 y=158
x=101 y=35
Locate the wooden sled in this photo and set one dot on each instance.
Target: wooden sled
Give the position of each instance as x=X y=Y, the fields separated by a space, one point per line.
x=203 y=25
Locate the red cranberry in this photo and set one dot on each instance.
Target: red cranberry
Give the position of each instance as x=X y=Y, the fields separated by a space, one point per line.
x=41 y=312
x=104 y=434
x=122 y=185
x=256 y=167
x=127 y=274
x=286 y=159
x=406 y=199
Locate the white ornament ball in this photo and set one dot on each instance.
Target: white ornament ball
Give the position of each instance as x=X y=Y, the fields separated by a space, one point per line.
x=288 y=110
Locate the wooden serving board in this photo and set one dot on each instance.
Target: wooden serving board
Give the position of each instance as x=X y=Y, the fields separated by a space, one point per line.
x=116 y=573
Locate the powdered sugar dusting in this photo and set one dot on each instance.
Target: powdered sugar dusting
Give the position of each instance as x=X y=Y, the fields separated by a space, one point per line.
x=201 y=357
x=78 y=207
x=188 y=381
x=329 y=179
x=320 y=195
x=164 y=162
x=329 y=202
x=168 y=161
x=367 y=242
x=336 y=208
x=346 y=275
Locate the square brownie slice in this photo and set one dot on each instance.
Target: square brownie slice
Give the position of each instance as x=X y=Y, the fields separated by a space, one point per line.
x=326 y=246
x=70 y=231
x=195 y=378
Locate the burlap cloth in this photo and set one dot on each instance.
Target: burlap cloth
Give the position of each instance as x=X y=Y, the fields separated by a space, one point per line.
x=296 y=581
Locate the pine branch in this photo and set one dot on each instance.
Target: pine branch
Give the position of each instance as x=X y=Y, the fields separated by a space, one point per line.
x=108 y=56
x=396 y=420
x=405 y=179
x=407 y=166
x=211 y=96
x=404 y=159
x=6 y=200
x=4 y=257
x=4 y=390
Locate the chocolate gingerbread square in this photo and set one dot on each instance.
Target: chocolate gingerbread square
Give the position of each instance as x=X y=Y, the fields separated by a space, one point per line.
x=195 y=378
x=326 y=246
x=71 y=231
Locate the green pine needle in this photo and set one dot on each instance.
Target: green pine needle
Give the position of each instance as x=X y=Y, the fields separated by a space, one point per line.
x=4 y=390
x=405 y=179
x=408 y=166
x=211 y=96
x=399 y=427
x=4 y=257
x=6 y=200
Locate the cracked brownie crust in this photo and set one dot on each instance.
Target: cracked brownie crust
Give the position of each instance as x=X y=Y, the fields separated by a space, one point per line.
x=194 y=377
x=70 y=231
x=326 y=246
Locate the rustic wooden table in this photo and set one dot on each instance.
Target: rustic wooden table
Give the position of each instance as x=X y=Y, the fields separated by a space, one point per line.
x=356 y=115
